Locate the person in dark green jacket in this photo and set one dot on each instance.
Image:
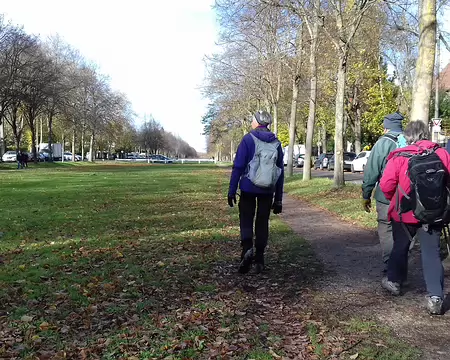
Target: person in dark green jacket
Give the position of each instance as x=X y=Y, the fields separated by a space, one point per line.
x=391 y=140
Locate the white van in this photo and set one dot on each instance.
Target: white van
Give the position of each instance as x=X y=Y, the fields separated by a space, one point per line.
x=299 y=149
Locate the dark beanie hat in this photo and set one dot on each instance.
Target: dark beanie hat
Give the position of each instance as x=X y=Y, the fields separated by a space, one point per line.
x=263 y=118
x=393 y=122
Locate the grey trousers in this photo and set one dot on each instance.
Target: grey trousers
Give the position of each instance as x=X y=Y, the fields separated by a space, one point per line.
x=433 y=271
x=384 y=231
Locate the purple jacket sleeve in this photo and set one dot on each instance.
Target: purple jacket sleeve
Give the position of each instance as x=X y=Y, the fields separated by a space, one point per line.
x=280 y=183
x=240 y=163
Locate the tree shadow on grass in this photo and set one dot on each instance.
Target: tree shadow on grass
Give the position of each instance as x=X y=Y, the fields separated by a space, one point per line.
x=103 y=288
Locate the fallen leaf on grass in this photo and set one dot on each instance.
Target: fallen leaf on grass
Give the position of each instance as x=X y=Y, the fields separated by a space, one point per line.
x=44 y=326
x=65 y=329
x=355 y=356
x=274 y=354
x=26 y=318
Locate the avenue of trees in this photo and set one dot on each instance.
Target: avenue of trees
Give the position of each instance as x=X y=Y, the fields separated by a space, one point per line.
x=50 y=94
x=327 y=70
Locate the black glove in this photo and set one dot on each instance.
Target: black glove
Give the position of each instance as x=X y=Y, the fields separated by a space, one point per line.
x=367 y=205
x=231 y=200
x=277 y=207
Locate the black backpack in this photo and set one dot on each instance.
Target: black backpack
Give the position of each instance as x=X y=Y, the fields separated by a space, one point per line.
x=429 y=198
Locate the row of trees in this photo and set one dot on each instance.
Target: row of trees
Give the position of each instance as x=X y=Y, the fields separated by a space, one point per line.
x=321 y=68
x=152 y=138
x=50 y=93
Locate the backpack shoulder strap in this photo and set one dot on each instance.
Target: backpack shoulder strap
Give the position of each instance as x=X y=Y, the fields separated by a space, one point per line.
x=255 y=140
x=406 y=154
x=391 y=137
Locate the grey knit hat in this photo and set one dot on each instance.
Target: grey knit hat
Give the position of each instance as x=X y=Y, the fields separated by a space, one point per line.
x=263 y=118
x=393 y=122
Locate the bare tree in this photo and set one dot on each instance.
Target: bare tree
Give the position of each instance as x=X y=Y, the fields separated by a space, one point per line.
x=16 y=61
x=37 y=80
x=347 y=21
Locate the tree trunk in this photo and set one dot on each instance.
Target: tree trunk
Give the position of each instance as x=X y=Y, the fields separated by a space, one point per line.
x=17 y=144
x=339 y=123
x=275 y=117
x=312 y=102
x=2 y=139
x=358 y=130
x=292 y=125
x=232 y=150
x=349 y=146
x=73 y=144
x=36 y=144
x=82 y=144
x=357 y=118
x=91 y=148
x=63 y=144
x=41 y=139
x=294 y=100
x=438 y=70
x=33 y=141
x=50 y=135
x=423 y=81
x=276 y=102
x=324 y=138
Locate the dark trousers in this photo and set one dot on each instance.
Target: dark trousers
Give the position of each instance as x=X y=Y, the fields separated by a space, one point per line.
x=249 y=204
x=433 y=271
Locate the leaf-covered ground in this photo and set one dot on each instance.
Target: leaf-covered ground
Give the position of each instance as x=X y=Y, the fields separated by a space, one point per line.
x=139 y=262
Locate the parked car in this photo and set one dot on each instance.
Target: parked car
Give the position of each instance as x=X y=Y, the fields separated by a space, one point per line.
x=160 y=159
x=348 y=159
x=298 y=149
x=44 y=155
x=68 y=156
x=360 y=161
x=301 y=160
x=322 y=161
x=9 y=156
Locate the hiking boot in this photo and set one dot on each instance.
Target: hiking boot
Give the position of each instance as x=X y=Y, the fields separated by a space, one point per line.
x=246 y=261
x=259 y=268
x=259 y=261
x=392 y=287
x=434 y=305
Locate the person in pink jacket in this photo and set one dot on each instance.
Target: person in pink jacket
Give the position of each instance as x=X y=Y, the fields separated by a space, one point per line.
x=395 y=183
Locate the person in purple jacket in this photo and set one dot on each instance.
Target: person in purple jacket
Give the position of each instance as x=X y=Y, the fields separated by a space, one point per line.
x=258 y=169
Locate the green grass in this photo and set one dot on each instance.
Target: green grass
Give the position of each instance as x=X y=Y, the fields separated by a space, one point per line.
x=379 y=342
x=119 y=258
x=122 y=261
x=345 y=203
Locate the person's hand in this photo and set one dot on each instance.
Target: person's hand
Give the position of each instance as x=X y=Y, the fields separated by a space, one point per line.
x=277 y=207
x=231 y=200
x=367 y=205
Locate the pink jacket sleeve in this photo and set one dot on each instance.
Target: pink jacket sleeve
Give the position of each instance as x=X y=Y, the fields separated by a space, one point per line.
x=389 y=180
x=445 y=157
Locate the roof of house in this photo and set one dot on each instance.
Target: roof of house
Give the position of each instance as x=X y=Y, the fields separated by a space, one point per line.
x=444 y=78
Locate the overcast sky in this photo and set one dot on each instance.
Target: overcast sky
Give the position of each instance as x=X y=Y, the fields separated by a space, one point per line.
x=152 y=50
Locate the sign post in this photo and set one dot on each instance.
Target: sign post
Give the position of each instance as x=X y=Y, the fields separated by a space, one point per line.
x=435 y=129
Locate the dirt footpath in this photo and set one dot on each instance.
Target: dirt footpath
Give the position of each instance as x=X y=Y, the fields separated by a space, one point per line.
x=353 y=271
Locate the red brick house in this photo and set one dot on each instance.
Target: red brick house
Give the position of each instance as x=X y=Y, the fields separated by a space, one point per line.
x=444 y=79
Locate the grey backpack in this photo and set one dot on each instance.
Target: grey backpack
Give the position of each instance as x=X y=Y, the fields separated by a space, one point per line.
x=262 y=170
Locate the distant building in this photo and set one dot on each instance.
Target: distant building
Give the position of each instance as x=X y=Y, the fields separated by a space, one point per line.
x=444 y=79
x=444 y=87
